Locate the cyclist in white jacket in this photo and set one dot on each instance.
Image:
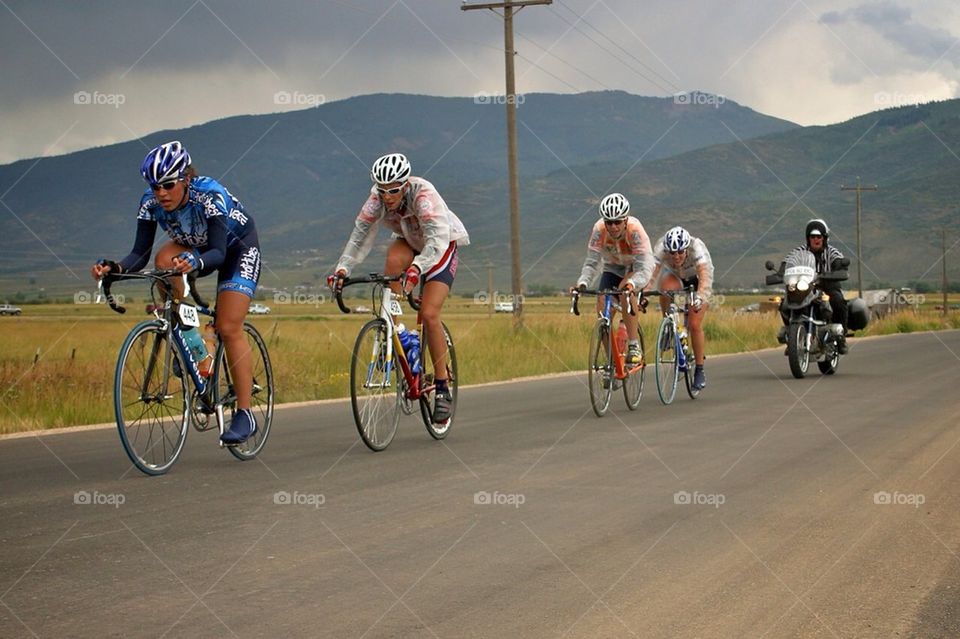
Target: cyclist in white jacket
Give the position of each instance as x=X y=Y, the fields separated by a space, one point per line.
x=426 y=235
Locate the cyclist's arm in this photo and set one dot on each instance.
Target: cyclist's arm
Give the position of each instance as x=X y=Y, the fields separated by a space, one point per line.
x=436 y=232
x=215 y=250
x=704 y=270
x=651 y=283
x=591 y=267
x=363 y=236
x=643 y=262
x=142 y=246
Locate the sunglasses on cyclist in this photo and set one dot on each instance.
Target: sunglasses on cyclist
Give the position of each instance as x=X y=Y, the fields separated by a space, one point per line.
x=677 y=252
x=165 y=186
x=613 y=222
x=393 y=191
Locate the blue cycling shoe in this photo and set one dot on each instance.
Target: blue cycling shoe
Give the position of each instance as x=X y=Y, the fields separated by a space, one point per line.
x=242 y=427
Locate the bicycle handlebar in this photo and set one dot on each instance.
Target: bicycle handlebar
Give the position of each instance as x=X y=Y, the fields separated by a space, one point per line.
x=159 y=275
x=575 y=296
x=372 y=278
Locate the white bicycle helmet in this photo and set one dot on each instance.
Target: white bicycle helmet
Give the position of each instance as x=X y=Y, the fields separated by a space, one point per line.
x=390 y=168
x=614 y=207
x=676 y=239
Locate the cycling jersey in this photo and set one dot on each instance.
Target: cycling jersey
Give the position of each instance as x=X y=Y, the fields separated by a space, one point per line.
x=630 y=253
x=697 y=263
x=214 y=224
x=422 y=220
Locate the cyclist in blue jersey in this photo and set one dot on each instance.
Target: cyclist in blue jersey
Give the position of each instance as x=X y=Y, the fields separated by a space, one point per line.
x=209 y=232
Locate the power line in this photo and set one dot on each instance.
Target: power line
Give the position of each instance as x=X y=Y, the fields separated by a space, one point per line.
x=614 y=55
x=609 y=39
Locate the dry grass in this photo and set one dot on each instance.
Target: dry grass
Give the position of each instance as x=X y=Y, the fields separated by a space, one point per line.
x=71 y=381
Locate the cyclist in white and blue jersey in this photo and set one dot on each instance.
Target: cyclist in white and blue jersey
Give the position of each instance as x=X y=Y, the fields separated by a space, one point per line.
x=209 y=232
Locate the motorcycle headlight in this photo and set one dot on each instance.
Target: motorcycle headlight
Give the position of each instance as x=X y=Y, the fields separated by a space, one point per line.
x=803 y=285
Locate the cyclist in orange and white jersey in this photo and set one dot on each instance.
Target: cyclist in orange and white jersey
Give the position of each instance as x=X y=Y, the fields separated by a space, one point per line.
x=619 y=250
x=684 y=261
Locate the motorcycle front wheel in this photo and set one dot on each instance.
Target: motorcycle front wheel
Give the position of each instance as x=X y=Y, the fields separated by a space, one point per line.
x=797 y=351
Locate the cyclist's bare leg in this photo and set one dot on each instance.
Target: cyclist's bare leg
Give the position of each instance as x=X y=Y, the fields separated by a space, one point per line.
x=164 y=259
x=232 y=307
x=434 y=295
x=668 y=282
x=399 y=258
x=628 y=319
x=697 y=338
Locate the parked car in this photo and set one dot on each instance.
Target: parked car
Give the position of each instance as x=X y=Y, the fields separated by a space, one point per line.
x=503 y=307
x=9 y=309
x=259 y=309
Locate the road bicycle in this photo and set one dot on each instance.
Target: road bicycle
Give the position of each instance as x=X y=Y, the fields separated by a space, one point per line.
x=674 y=349
x=386 y=378
x=607 y=369
x=158 y=387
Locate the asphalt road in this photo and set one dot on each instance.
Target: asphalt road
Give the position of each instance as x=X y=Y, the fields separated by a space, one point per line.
x=588 y=533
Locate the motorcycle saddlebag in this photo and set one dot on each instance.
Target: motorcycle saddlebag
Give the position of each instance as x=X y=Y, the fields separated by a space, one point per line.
x=858 y=314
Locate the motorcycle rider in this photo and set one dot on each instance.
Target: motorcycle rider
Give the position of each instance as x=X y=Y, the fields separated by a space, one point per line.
x=827 y=258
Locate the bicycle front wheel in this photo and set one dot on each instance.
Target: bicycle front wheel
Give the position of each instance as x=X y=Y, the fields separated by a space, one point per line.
x=600 y=370
x=150 y=399
x=261 y=400
x=373 y=389
x=428 y=387
x=667 y=370
x=633 y=384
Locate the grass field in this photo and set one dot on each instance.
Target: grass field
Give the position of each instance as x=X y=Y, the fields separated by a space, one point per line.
x=57 y=361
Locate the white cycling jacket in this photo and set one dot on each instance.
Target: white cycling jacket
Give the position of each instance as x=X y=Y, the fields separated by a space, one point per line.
x=422 y=219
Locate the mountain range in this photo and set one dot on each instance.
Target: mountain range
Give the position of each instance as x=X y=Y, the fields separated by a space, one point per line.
x=744 y=182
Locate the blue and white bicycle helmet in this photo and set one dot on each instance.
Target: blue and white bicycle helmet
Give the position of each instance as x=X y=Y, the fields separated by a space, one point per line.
x=614 y=207
x=390 y=168
x=676 y=239
x=167 y=162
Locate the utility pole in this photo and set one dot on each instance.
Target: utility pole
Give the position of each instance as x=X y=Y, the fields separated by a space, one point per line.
x=943 y=262
x=511 y=99
x=490 y=290
x=859 y=189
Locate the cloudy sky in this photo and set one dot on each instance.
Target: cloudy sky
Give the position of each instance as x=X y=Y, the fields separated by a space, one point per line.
x=75 y=75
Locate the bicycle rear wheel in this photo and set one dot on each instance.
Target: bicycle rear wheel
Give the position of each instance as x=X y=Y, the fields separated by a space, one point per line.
x=633 y=384
x=150 y=399
x=667 y=370
x=261 y=401
x=427 y=384
x=373 y=391
x=600 y=370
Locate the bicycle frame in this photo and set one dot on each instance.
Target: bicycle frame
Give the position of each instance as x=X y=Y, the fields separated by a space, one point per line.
x=173 y=331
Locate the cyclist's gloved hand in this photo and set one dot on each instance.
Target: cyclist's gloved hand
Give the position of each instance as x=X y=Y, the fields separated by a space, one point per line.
x=697 y=303
x=186 y=262
x=104 y=266
x=411 y=278
x=644 y=302
x=335 y=281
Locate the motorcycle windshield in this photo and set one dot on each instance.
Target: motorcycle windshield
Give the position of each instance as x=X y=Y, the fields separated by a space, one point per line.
x=801 y=270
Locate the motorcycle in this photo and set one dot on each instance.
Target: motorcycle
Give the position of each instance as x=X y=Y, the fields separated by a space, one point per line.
x=810 y=332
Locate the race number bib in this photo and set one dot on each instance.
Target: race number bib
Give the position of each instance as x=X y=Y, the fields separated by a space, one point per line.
x=189 y=316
